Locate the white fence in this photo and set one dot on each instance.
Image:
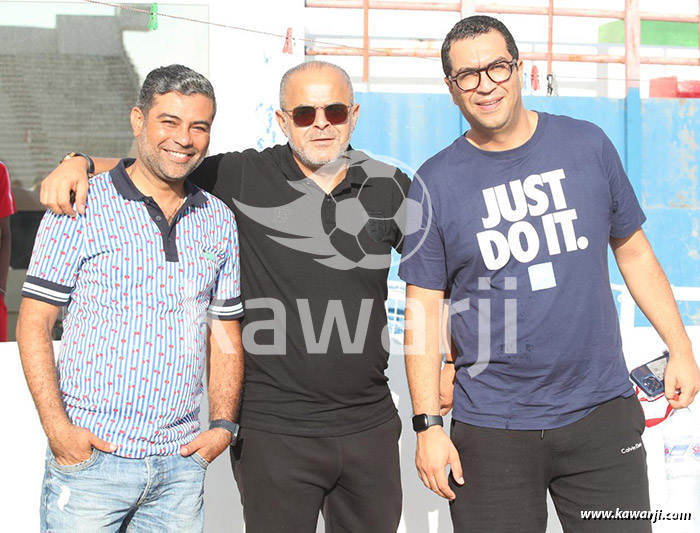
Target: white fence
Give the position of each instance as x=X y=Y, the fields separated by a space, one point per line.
x=23 y=444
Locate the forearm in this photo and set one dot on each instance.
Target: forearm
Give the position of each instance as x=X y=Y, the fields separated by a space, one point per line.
x=5 y=249
x=434 y=449
x=102 y=164
x=225 y=364
x=105 y=164
x=652 y=292
x=37 y=356
x=80 y=164
x=422 y=348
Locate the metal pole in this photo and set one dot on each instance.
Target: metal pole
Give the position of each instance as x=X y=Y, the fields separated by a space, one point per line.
x=633 y=102
x=405 y=6
x=632 y=43
x=468 y=7
x=365 y=41
x=550 y=35
x=532 y=56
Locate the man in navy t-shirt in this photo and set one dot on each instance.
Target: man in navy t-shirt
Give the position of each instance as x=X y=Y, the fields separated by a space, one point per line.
x=520 y=211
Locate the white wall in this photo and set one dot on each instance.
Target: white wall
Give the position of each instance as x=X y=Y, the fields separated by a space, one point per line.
x=245 y=69
x=24 y=445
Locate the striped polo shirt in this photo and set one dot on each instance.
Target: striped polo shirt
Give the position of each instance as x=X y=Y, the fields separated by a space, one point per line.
x=138 y=292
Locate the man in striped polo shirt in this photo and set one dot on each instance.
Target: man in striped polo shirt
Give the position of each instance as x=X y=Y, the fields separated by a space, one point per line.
x=138 y=274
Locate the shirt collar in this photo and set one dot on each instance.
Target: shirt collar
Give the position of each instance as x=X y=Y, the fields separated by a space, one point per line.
x=125 y=186
x=355 y=176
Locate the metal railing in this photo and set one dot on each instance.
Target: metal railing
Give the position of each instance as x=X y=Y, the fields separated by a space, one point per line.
x=631 y=16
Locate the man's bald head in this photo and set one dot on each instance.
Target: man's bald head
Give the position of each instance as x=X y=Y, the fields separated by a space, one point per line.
x=302 y=67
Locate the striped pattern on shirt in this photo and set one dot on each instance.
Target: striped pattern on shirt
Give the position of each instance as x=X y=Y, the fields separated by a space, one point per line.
x=138 y=293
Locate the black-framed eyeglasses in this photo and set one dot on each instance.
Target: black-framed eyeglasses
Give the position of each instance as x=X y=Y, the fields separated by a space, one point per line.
x=305 y=115
x=498 y=72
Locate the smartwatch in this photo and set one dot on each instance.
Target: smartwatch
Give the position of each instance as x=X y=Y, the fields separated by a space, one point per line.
x=423 y=422
x=228 y=426
x=71 y=155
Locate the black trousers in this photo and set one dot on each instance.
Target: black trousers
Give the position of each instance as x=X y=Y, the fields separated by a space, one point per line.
x=597 y=463
x=284 y=481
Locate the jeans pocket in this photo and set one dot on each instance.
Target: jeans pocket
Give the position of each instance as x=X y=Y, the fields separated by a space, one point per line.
x=201 y=461
x=79 y=467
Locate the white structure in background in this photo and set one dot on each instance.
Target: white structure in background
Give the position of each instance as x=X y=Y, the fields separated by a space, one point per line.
x=424 y=512
x=245 y=69
x=426 y=30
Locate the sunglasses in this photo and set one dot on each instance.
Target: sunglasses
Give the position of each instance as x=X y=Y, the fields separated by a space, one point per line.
x=305 y=115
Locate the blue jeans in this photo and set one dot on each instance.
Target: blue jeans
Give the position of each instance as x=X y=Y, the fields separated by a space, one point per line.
x=110 y=493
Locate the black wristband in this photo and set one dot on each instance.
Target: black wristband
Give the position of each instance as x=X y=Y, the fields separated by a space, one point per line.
x=448 y=362
x=228 y=426
x=71 y=155
x=423 y=422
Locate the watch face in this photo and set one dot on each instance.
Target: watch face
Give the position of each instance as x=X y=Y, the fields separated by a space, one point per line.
x=423 y=422
x=420 y=422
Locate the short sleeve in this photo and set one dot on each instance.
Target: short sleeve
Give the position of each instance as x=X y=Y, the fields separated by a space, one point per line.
x=7 y=201
x=226 y=302
x=627 y=214
x=423 y=261
x=56 y=259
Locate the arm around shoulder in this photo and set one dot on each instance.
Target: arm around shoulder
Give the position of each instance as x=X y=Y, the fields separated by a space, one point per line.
x=70 y=178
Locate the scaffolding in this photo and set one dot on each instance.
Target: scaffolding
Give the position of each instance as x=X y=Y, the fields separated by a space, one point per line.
x=631 y=16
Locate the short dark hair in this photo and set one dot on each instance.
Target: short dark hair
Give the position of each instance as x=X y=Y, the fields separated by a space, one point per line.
x=470 y=27
x=173 y=78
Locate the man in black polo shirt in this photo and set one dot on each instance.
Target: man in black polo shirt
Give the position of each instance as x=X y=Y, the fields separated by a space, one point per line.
x=319 y=430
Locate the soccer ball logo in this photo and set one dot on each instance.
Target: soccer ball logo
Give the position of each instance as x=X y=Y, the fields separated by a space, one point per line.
x=358 y=236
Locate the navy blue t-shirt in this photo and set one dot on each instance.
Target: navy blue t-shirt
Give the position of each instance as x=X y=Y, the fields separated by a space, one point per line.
x=519 y=240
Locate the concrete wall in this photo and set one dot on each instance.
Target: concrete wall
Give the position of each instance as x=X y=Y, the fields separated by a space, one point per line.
x=664 y=165
x=410 y=128
x=424 y=512
x=245 y=69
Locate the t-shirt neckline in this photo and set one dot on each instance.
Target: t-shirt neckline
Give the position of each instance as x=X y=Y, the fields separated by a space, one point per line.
x=524 y=148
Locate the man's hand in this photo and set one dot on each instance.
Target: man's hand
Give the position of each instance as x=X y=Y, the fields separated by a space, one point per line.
x=72 y=444
x=69 y=176
x=434 y=451
x=652 y=292
x=209 y=444
x=447 y=386
x=682 y=374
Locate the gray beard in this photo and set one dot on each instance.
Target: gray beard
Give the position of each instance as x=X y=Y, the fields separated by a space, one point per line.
x=315 y=164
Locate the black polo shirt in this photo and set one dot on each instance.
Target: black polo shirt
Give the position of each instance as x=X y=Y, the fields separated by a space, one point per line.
x=313 y=280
